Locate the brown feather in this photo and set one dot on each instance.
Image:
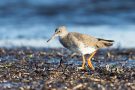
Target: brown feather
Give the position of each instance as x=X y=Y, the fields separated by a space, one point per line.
x=102 y=43
x=86 y=39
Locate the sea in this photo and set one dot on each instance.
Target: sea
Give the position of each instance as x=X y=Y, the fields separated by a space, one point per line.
x=30 y=23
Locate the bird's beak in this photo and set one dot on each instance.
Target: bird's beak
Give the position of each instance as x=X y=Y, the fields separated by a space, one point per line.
x=53 y=36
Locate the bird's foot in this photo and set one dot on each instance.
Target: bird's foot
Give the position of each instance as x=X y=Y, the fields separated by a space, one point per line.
x=92 y=68
x=80 y=68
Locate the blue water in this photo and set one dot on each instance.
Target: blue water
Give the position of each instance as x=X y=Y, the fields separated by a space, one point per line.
x=32 y=22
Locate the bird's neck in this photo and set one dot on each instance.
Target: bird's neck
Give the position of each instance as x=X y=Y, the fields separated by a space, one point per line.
x=64 y=35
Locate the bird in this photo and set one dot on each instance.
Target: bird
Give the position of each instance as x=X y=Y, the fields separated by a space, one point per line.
x=81 y=43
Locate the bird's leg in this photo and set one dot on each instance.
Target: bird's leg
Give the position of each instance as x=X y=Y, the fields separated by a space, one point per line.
x=83 y=63
x=89 y=60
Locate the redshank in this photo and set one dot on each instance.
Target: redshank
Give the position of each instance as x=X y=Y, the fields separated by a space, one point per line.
x=81 y=43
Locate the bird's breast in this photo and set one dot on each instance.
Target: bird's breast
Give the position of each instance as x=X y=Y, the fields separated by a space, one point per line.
x=68 y=43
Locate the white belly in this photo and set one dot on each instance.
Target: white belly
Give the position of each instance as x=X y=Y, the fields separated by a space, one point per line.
x=86 y=50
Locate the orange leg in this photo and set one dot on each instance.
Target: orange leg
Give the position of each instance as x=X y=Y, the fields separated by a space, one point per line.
x=84 y=61
x=89 y=60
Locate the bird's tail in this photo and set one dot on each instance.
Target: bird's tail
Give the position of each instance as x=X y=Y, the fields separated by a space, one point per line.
x=102 y=43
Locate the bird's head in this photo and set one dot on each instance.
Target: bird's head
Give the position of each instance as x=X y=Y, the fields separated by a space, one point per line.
x=59 y=32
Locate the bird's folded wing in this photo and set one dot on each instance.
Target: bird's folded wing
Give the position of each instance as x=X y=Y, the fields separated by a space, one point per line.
x=86 y=39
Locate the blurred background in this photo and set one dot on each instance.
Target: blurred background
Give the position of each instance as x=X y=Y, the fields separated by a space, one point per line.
x=32 y=22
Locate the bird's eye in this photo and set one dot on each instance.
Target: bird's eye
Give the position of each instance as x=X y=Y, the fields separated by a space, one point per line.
x=58 y=31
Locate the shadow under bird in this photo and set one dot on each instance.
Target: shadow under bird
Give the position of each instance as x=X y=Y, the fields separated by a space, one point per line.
x=81 y=43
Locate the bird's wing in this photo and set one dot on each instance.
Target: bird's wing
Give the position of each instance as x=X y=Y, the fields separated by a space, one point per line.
x=91 y=41
x=102 y=43
x=86 y=39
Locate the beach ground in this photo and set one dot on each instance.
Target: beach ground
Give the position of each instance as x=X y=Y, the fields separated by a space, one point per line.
x=56 y=69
